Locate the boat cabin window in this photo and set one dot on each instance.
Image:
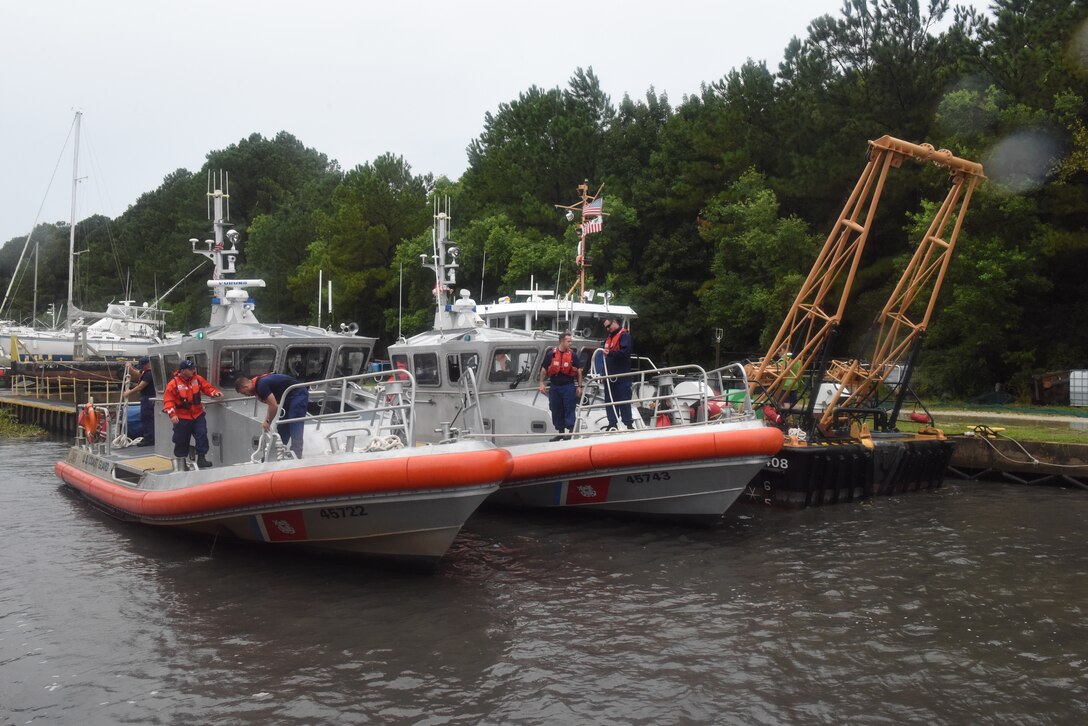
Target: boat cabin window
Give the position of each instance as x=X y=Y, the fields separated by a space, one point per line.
x=351 y=360
x=456 y=364
x=307 y=362
x=517 y=322
x=201 y=360
x=400 y=363
x=496 y=322
x=591 y=328
x=508 y=363
x=545 y=322
x=162 y=369
x=244 y=362
x=584 y=355
x=425 y=369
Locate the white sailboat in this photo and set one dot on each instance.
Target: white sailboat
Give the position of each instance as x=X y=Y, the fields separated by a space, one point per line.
x=123 y=331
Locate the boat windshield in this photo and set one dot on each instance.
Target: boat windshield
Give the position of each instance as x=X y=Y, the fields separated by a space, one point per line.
x=351 y=360
x=245 y=362
x=425 y=369
x=508 y=363
x=307 y=362
x=456 y=364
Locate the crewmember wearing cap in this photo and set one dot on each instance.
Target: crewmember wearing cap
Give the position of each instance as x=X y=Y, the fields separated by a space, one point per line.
x=617 y=357
x=181 y=402
x=145 y=386
x=271 y=389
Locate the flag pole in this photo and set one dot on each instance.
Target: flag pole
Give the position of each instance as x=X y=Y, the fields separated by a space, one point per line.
x=595 y=203
x=583 y=188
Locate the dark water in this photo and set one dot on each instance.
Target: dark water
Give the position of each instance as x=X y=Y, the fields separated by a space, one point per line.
x=961 y=606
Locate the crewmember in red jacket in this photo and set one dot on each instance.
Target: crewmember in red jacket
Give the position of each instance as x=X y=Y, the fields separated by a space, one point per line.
x=181 y=402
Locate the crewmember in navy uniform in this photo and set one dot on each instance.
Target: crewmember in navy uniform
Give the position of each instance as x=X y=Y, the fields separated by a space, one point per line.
x=560 y=366
x=269 y=389
x=145 y=386
x=181 y=402
x=617 y=357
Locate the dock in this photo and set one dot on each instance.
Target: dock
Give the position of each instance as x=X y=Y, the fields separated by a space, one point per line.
x=52 y=402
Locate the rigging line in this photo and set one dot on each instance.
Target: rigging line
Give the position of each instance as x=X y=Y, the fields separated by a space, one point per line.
x=38 y=216
x=985 y=432
x=158 y=300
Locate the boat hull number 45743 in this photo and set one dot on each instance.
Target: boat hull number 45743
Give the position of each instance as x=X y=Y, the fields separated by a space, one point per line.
x=648 y=477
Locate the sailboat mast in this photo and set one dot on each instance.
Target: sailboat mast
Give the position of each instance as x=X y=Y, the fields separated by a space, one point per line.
x=72 y=225
x=34 y=304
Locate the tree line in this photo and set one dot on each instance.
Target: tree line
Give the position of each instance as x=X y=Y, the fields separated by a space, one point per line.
x=717 y=204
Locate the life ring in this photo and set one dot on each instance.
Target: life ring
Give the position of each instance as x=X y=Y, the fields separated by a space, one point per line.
x=88 y=421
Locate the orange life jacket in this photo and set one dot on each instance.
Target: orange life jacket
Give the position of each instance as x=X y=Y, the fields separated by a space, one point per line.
x=612 y=342
x=182 y=398
x=562 y=362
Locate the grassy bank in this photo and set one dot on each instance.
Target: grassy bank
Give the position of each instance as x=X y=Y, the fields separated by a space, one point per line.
x=11 y=428
x=1057 y=424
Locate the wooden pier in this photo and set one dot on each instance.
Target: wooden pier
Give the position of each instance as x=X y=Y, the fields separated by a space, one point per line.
x=52 y=402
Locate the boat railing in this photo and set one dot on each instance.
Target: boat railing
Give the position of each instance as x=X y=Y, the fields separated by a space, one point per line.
x=383 y=398
x=95 y=426
x=731 y=388
x=473 y=418
x=672 y=395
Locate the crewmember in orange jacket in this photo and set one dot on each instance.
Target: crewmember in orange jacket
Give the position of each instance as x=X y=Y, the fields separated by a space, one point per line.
x=181 y=402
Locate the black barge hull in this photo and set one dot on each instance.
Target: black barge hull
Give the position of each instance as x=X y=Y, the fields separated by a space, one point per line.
x=816 y=474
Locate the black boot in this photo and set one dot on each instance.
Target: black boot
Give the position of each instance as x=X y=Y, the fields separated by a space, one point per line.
x=201 y=462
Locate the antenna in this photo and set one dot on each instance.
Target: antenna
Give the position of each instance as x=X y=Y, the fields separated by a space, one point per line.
x=400 y=300
x=483 y=268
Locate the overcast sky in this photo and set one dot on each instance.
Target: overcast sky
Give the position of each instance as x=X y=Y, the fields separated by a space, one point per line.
x=162 y=83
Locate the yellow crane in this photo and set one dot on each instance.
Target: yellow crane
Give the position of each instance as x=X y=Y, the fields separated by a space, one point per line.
x=798 y=358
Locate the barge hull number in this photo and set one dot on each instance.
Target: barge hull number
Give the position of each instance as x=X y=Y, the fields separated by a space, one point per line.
x=648 y=477
x=343 y=512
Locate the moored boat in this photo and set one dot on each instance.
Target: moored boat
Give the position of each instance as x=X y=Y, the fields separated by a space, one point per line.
x=682 y=474
x=480 y=383
x=405 y=504
x=363 y=486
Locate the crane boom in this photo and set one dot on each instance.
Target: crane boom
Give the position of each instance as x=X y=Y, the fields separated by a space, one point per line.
x=799 y=351
x=899 y=326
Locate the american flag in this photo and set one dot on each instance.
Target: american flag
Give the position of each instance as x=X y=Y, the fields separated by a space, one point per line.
x=592 y=225
x=594 y=208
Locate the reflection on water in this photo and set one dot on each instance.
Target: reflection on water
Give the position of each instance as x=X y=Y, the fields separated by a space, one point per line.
x=961 y=605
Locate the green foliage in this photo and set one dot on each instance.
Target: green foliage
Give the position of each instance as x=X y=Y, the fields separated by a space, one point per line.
x=533 y=149
x=11 y=428
x=374 y=208
x=759 y=262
